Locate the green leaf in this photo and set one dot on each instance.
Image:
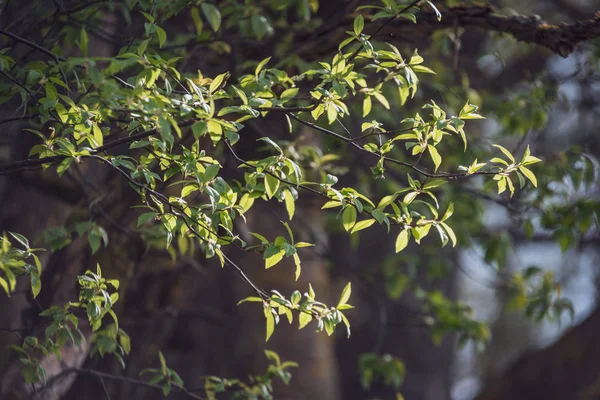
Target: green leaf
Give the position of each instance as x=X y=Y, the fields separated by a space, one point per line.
x=381 y=98
x=300 y=245
x=21 y=239
x=298 y=264
x=83 y=41
x=270 y=322
x=197 y=20
x=364 y=224
x=149 y=17
x=212 y=14
x=434 y=183
x=290 y=204
x=98 y=136
x=450 y=233
x=4 y=285
x=260 y=26
x=410 y=197
x=347 y=323
x=165 y=130
x=349 y=217
x=251 y=299
x=145 y=217
x=219 y=82
x=199 y=129
x=345 y=295
x=449 y=212
x=163 y=363
x=359 y=24
x=367 y=105
x=246 y=202
x=273 y=255
x=94 y=240
x=531 y=160
x=272 y=143
x=401 y=241
x=529 y=174
x=36 y=284
x=304 y=319
x=498 y=160
x=162 y=36
x=261 y=65
x=506 y=152
x=271 y=185
x=435 y=156
x=288 y=94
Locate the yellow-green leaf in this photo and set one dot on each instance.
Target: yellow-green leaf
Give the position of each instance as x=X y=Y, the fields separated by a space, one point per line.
x=290 y=204
x=450 y=233
x=506 y=152
x=97 y=132
x=435 y=156
x=270 y=322
x=219 y=82
x=367 y=105
x=349 y=218
x=271 y=185
x=529 y=174
x=360 y=225
x=304 y=319
x=298 y=265
x=401 y=241
x=260 y=65
x=381 y=98
x=345 y=295
x=359 y=24
x=272 y=256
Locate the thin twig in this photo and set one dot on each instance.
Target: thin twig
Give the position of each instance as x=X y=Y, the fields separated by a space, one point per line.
x=19 y=165
x=104 y=375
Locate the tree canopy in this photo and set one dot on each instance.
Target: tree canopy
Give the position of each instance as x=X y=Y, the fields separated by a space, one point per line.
x=217 y=133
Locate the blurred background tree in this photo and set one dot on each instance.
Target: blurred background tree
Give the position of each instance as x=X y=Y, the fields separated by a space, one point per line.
x=519 y=263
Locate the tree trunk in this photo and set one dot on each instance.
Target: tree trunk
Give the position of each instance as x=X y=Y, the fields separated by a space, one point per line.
x=568 y=369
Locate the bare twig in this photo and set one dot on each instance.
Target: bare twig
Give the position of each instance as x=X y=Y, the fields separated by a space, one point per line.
x=104 y=375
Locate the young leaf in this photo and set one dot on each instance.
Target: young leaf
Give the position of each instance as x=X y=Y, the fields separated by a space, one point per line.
x=303 y=319
x=273 y=255
x=435 y=156
x=21 y=239
x=349 y=217
x=530 y=175
x=290 y=204
x=359 y=24
x=364 y=224
x=270 y=322
x=162 y=36
x=506 y=152
x=345 y=295
x=271 y=185
x=260 y=66
x=401 y=241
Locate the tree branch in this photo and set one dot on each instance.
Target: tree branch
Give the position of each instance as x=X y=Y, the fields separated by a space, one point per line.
x=560 y=39
x=104 y=375
x=25 y=164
